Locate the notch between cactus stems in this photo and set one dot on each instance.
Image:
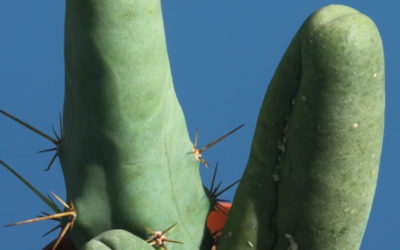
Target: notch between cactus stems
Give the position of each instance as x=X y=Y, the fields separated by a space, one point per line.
x=282 y=148
x=214 y=193
x=56 y=141
x=220 y=208
x=216 y=222
x=197 y=152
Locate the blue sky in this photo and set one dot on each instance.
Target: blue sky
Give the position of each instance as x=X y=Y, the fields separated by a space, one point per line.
x=222 y=53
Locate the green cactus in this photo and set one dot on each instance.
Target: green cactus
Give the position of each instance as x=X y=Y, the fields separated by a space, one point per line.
x=314 y=160
x=127 y=158
x=124 y=128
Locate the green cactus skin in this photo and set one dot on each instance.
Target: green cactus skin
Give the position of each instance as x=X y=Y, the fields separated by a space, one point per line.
x=116 y=239
x=320 y=133
x=125 y=152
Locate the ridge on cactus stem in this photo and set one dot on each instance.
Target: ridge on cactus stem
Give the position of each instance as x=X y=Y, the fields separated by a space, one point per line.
x=70 y=212
x=56 y=141
x=197 y=152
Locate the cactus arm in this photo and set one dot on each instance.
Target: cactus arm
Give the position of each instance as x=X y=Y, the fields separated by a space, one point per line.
x=313 y=165
x=124 y=151
x=117 y=239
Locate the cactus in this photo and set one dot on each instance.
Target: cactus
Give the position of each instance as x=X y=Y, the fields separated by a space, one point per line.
x=314 y=160
x=130 y=167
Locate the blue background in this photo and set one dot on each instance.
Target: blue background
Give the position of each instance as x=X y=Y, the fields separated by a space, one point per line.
x=223 y=54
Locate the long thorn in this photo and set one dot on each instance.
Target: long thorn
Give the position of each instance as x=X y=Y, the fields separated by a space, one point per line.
x=60 y=200
x=214 y=193
x=61 y=124
x=219 y=139
x=62 y=234
x=71 y=212
x=47 y=150
x=31 y=187
x=216 y=189
x=213 y=178
x=52 y=201
x=196 y=137
x=51 y=161
x=47 y=214
x=56 y=135
x=150 y=230
x=52 y=158
x=226 y=188
x=42 y=218
x=166 y=230
x=159 y=238
x=51 y=230
x=173 y=241
x=37 y=131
